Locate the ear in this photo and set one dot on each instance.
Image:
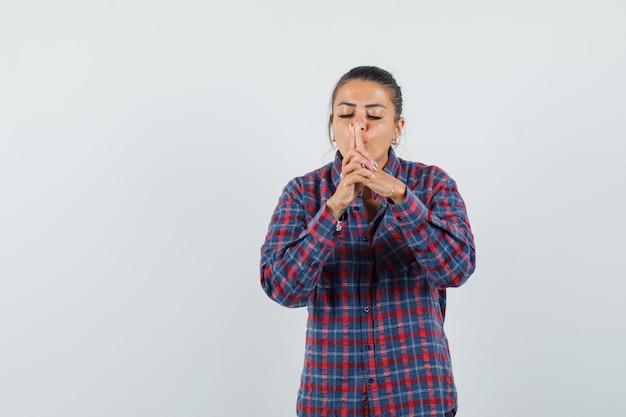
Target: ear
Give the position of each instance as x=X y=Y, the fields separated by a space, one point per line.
x=330 y=118
x=399 y=127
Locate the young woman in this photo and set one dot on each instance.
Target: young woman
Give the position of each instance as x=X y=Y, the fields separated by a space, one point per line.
x=369 y=243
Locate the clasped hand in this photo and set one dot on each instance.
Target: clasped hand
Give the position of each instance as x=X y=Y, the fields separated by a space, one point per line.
x=359 y=169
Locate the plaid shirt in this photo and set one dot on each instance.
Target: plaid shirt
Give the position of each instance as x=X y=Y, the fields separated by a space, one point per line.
x=375 y=291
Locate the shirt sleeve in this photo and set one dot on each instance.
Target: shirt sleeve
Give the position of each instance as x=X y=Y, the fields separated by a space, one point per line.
x=437 y=231
x=298 y=242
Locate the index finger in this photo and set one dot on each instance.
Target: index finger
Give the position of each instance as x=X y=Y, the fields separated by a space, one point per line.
x=358 y=139
x=353 y=144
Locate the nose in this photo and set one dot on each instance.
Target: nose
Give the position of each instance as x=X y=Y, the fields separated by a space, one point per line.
x=360 y=121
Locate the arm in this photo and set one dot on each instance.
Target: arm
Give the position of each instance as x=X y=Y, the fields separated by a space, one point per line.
x=301 y=236
x=297 y=244
x=437 y=231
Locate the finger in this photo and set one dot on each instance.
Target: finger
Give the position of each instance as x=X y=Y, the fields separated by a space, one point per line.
x=356 y=180
x=360 y=170
x=350 y=163
x=352 y=146
x=352 y=129
x=355 y=160
x=360 y=147
x=358 y=139
x=347 y=159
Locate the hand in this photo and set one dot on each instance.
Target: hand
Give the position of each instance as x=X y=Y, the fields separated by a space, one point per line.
x=382 y=183
x=357 y=168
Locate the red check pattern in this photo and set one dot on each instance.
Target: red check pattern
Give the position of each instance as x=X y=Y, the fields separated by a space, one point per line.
x=375 y=291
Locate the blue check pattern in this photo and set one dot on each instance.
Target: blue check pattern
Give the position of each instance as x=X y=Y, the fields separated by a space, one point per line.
x=375 y=291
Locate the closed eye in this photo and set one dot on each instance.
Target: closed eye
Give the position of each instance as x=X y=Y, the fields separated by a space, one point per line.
x=346 y=116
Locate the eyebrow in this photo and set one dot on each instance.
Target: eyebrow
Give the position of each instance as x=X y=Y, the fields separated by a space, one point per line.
x=367 y=106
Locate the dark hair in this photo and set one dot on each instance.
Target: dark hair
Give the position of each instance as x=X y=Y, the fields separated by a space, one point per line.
x=370 y=73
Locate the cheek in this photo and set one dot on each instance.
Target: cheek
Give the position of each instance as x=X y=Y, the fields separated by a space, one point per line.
x=383 y=132
x=341 y=133
x=340 y=127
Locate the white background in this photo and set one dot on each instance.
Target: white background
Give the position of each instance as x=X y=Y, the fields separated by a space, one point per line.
x=143 y=146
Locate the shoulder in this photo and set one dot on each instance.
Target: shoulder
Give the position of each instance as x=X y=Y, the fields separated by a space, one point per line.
x=424 y=172
x=427 y=180
x=311 y=181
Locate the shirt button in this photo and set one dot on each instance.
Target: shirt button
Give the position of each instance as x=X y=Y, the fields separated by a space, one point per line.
x=366 y=309
x=364 y=238
x=399 y=219
x=368 y=347
x=314 y=265
x=371 y=380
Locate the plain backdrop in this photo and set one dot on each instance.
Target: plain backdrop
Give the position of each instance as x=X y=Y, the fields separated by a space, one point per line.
x=144 y=144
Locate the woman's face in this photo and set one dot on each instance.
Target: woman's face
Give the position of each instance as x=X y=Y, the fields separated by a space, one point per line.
x=369 y=105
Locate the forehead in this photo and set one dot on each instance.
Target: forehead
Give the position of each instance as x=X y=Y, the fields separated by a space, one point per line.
x=363 y=92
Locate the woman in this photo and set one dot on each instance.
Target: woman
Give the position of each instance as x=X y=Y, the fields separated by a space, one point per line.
x=369 y=243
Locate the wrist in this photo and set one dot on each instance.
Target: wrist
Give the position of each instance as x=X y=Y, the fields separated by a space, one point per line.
x=336 y=211
x=398 y=192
